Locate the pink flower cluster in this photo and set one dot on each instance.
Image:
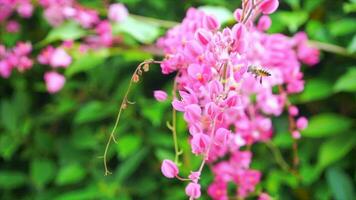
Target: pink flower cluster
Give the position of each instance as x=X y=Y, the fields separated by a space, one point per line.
x=17 y=57
x=225 y=103
x=56 y=12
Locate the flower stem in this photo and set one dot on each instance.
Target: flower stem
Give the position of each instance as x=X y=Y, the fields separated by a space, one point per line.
x=124 y=104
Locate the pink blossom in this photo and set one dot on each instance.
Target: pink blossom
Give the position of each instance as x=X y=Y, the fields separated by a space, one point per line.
x=221 y=136
x=194 y=176
x=293 y=111
x=296 y=134
x=25 y=9
x=60 y=58
x=169 y=169
x=302 y=123
x=117 y=12
x=264 y=196
x=264 y=23
x=54 y=81
x=45 y=56
x=200 y=143
x=269 y=6
x=238 y=14
x=5 y=69
x=12 y=26
x=160 y=95
x=193 y=190
x=211 y=23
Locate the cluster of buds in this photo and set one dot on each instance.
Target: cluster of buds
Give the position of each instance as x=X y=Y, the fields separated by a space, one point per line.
x=227 y=110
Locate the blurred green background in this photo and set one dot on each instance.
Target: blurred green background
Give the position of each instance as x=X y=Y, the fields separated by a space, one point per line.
x=50 y=145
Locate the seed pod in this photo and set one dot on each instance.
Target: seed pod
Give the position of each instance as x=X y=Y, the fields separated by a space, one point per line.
x=135 y=78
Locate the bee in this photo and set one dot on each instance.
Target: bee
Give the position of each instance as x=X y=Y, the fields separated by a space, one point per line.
x=258 y=72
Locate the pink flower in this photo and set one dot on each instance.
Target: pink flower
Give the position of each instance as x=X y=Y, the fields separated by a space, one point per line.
x=296 y=135
x=264 y=23
x=169 y=169
x=307 y=54
x=238 y=14
x=45 y=56
x=293 y=111
x=60 y=58
x=160 y=95
x=12 y=26
x=192 y=113
x=25 y=10
x=221 y=136
x=269 y=6
x=211 y=23
x=264 y=196
x=193 y=190
x=200 y=143
x=194 y=176
x=54 y=81
x=302 y=123
x=218 y=190
x=117 y=12
x=5 y=69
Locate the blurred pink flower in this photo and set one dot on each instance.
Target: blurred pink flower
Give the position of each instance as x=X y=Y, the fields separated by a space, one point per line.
x=54 y=81
x=60 y=58
x=169 y=169
x=117 y=12
x=160 y=95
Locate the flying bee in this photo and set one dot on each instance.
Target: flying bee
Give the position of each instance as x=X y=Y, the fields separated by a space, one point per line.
x=258 y=72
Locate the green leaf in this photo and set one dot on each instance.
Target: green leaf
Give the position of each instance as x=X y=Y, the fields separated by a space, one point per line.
x=310 y=5
x=351 y=48
x=11 y=179
x=42 y=172
x=340 y=184
x=347 y=82
x=67 y=31
x=155 y=111
x=69 y=174
x=141 y=31
x=86 y=61
x=342 y=27
x=128 y=144
x=335 y=148
x=81 y=194
x=316 y=89
x=93 y=111
x=222 y=14
x=130 y=165
x=293 y=20
x=327 y=124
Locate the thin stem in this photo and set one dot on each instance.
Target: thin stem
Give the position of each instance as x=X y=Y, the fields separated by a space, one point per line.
x=124 y=104
x=174 y=123
x=278 y=156
x=331 y=48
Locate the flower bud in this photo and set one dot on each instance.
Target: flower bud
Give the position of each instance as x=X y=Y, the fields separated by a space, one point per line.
x=296 y=135
x=203 y=36
x=160 y=95
x=193 y=190
x=264 y=23
x=238 y=14
x=293 y=111
x=221 y=136
x=169 y=169
x=269 y=6
x=302 y=123
x=211 y=23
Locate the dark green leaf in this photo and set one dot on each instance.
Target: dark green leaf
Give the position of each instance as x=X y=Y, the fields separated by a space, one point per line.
x=327 y=124
x=11 y=179
x=42 y=171
x=340 y=184
x=335 y=148
x=316 y=89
